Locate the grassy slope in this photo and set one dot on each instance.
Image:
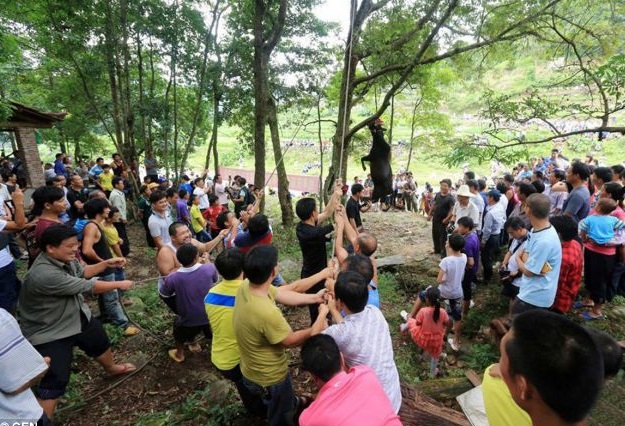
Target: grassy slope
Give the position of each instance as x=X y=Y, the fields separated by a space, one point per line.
x=427 y=162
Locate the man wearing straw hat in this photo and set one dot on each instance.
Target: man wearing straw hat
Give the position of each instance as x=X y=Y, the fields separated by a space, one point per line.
x=464 y=207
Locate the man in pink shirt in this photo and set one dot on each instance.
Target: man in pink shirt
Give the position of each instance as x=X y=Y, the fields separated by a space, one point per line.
x=355 y=397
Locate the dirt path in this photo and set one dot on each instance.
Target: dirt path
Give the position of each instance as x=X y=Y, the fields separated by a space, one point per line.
x=163 y=387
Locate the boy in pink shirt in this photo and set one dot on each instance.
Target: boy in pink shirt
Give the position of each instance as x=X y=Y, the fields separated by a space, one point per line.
x=351 y=398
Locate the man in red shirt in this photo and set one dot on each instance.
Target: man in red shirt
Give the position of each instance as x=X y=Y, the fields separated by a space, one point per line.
x=572 y=262
x=351 y=398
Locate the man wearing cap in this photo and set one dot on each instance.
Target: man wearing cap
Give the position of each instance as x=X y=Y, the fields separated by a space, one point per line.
x=494 y=220
x=464 y=207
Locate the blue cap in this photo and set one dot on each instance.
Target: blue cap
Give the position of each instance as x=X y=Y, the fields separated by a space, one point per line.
x=494 y=193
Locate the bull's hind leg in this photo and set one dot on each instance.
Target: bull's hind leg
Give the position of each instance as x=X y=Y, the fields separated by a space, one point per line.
x=362 y=161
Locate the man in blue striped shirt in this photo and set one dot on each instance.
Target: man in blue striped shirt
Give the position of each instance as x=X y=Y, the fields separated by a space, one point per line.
x=494 y=220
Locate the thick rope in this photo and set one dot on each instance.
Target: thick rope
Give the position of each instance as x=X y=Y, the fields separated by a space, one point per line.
x=288 y=146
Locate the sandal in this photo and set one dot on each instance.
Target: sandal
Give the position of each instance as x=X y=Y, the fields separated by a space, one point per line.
x=195 y=347
x=453 y=345
x=131 y=330
x=172 y=355
x=126 y=368
x=588 y=316
x=580 y=304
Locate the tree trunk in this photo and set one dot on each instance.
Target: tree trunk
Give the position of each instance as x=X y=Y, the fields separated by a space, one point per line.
x=215 y=156
x=212 y=146
x=341 y=138
x=197 y=112
x=110 y=45
x=142 y=133
x=128 y=149
x=261 y=94
x=283 y=183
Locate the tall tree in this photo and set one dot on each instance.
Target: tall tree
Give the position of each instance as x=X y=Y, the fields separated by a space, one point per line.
x=386 y=40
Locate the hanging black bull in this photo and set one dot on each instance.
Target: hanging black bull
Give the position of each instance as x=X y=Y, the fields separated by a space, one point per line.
x=379 y=159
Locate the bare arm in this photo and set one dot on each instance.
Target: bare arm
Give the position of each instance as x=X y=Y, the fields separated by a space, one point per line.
x=90 y=234
x=350 y=233
x=441 y=276
x=19 y=219
x=104 y=286
x=334 y=201
x=210 y=246
x=304 y=284
x=337 y=318
x=296 y=338
x=340 y=252
x=166 y=262
x=91 y=271
x=158 y=242
x=293 y=298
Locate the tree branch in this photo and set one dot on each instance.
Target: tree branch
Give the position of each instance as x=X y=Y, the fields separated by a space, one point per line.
x=507 y=145
x=276 y=32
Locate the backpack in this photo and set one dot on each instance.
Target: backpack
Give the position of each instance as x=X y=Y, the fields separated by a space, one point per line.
x=249 y=198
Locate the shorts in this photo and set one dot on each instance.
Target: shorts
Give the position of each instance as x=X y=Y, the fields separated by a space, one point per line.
x=454 y=306
x=519 y=307
x=183 y=334
x=92 y=340
x=508 y=289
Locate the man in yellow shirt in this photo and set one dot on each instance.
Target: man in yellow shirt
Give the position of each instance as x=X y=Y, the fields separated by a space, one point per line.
x=106 y=179
x=263 y=335
x=219 y=305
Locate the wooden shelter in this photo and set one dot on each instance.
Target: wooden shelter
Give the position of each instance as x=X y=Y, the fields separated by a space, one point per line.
x=23 y=122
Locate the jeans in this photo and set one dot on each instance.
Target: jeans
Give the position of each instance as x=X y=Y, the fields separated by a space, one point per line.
x=110 y=308
x=203 y=236
x=280 y=400
x=252 y=403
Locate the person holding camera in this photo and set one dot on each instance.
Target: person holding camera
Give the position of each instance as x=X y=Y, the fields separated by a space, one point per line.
x=509 y=273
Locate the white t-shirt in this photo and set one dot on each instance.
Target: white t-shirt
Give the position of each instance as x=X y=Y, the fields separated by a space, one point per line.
x=513 y=267
x=364 y=339
x=19 y=364
x=479 y=203
x=203 y=197
x=469 y=211
x=220 y=192
x=453 y=266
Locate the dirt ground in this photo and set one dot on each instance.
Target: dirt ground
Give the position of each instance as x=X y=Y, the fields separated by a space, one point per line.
x=162 y=386
x=163 y=392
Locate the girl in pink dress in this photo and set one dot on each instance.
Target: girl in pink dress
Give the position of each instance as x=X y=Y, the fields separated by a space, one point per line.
x=428 y=328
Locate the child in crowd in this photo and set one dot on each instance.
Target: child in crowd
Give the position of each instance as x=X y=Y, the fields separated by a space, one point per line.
x=509 y=273
x=115 y=244
x=598 y=232
x=465 y=227
x=601 y=227
x=106 y=179
x=198 y=223
x=428 y=328
x=211 y=214
x=190 y=283
x=449 y=278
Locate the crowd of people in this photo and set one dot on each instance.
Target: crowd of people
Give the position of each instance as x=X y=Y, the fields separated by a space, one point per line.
x=218 y=273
